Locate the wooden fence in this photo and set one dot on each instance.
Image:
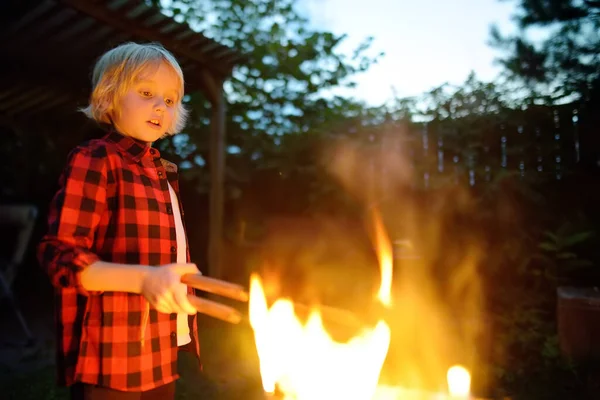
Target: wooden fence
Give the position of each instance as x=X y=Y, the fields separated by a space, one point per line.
x=538 y=142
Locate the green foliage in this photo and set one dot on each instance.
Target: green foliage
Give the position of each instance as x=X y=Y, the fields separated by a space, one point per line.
x=556 y=248
x=557 y=257
x=281 y=87
x=540 y=258
x=565 y=62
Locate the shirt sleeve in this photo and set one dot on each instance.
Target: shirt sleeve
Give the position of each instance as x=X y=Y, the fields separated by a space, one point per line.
x=75 y=212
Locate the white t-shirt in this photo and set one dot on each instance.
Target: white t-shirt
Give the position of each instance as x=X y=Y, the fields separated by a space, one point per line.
x=183 y=329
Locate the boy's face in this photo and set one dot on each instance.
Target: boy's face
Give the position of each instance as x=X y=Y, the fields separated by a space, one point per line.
x=147 y=108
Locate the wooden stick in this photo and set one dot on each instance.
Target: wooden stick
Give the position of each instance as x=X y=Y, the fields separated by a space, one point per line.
x=237 y=292
x=215 y=310
x=215 y=286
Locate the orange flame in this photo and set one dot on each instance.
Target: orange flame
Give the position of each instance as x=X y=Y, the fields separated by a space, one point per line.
x=304 y=362
x=385 y=257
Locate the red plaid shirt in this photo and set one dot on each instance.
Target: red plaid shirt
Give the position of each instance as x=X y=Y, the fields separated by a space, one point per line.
x=113 y=205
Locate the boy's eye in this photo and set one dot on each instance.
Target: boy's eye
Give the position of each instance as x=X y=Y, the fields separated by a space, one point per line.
x=169 y=102
x=146 y=93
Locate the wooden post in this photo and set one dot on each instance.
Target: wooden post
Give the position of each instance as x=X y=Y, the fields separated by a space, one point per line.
x=217 y=173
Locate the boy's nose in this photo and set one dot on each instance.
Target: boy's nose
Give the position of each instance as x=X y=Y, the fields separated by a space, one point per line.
x=160 y=105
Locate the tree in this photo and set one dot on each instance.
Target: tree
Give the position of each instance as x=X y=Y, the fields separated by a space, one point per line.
x=280 y=106
x=563 y=67
x=282 y=87
x=566 y=61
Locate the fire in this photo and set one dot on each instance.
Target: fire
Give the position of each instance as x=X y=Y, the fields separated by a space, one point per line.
x=303 y=362
x=384 y=254
x=459 y=382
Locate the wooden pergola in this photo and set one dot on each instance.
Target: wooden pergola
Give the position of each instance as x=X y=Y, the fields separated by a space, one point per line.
x=48 y=47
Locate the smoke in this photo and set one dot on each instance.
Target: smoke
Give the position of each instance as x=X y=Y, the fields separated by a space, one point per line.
x=437 y=298
x=436 y=316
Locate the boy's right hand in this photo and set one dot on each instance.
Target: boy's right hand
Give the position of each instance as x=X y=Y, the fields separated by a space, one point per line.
x=163 y=289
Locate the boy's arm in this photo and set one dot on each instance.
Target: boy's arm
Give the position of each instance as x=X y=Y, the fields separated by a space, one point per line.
x=161 y=286
x=75 y=212
x=112 y=277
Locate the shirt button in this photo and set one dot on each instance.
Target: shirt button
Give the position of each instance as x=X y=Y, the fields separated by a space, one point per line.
x=173 y=249
x=173 y=335
x=169 y=209
x=160 y=174
x=152 y=151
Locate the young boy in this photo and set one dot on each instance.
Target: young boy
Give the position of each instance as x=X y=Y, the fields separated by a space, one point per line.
x=116 y=246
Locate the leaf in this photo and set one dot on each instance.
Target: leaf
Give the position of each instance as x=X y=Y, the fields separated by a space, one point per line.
x=552 y=236
x=550 y=247
x=566 y=256
x=579 y=263
x=578 y=238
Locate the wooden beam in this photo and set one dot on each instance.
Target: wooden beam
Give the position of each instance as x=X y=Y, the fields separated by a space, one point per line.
x=212 y=86
x=217 y=174
x=38 y=12
x=35 y=103
x=41 y=30
x=121 y=22
x=24 y=90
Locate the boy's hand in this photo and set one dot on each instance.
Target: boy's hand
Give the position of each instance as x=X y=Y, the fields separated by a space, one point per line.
x=163 y=289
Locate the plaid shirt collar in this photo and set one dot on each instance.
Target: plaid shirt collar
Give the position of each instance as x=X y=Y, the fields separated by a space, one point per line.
x=133 y=148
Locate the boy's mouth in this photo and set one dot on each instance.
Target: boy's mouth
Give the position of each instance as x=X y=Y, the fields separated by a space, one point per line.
x=154 y=122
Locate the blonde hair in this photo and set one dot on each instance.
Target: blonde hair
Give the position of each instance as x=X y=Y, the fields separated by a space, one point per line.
x=118 y=69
